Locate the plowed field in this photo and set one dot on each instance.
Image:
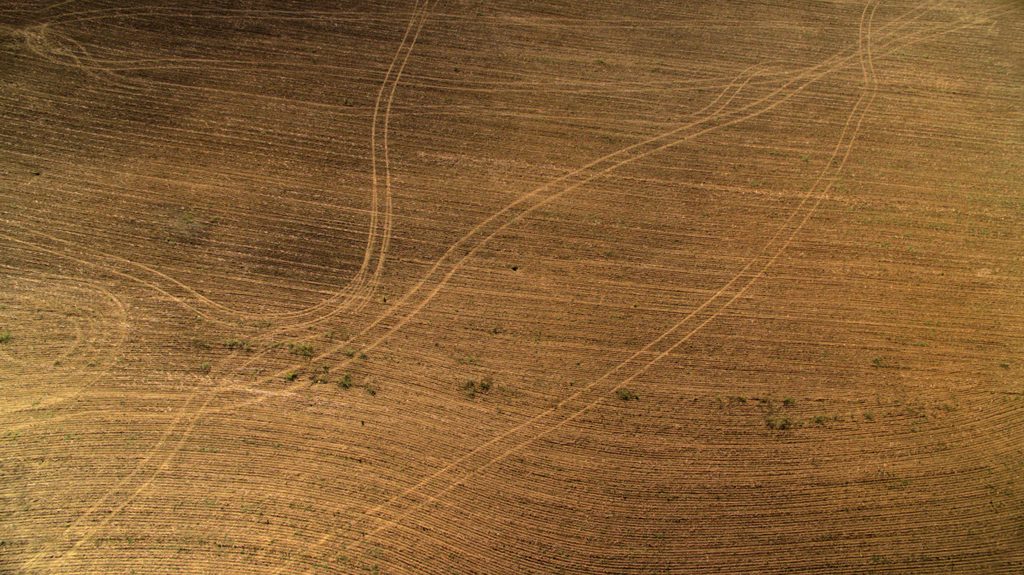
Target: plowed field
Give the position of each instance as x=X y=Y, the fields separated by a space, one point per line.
x=460 y=287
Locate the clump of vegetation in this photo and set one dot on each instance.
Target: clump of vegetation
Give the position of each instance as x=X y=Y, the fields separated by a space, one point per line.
x=363 y=356
x=205 y=367
x=473 y=387
x=239 y=344
x=869 y=416
x=781 y=423
x=721 y=402
x=371 y=389
x=349 y=352
x=302 y=349
x=5 y=336
x=821 y=420
x=880 y=362
x=626 y=394
x=788 y=402
x=320 y=375
x=291 y=375
x=345 y=382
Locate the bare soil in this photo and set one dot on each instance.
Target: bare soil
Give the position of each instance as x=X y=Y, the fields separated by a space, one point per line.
x=437 y=287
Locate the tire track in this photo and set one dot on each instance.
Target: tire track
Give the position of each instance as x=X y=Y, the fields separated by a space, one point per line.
x=385 y=233
x=194 y=417
x=341 y=299
x=831 y=65
x=537 y=427
x=767 y=258
x=493 y=233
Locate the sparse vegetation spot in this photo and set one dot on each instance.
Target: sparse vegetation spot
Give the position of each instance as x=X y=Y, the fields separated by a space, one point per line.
x=320 y=375
x=205 y=367
x=349 y=352
x=238 y=344
x=371 y=389
x=789 y=402
x=473 y=387
x=346 y=381
x=301 y=349
x=291 y=375
x=821 y=420
x=5 y=336
x=881 y=362
x=869 y=416
x=626 y=394
x=781 y=423
x=1005 y=365
x=363 y=356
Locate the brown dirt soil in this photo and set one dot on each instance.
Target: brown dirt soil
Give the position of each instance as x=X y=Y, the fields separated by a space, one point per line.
x=438 y=287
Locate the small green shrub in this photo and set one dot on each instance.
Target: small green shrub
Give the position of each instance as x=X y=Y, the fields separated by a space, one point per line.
x=626 y=394
x=239 y=344
x=346 y=381
x=319 y=375
x=302 y=349
x=205 y=367
x=473 y=387
x=291 y=375
x=789 y=402
x=868 y=416
x=781 y=423
x=5 y=336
